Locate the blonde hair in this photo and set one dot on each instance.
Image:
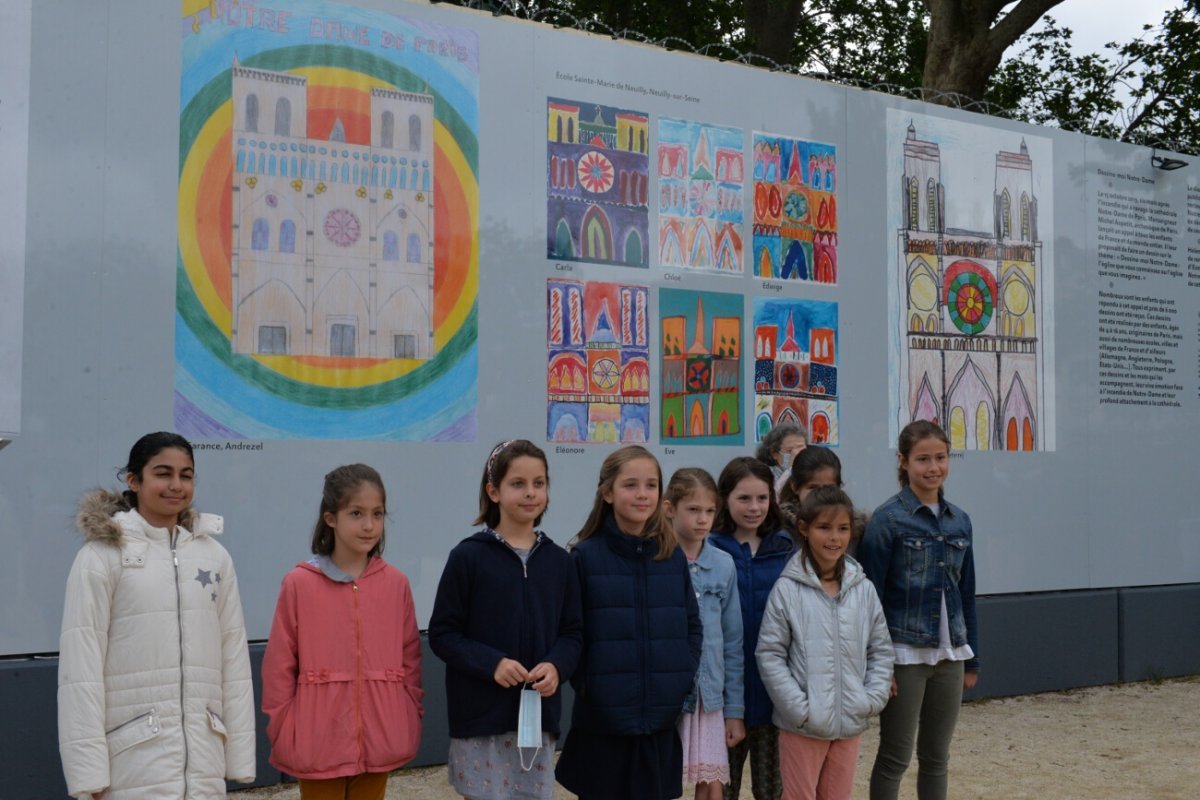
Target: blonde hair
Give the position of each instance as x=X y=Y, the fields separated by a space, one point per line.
x=656 y=527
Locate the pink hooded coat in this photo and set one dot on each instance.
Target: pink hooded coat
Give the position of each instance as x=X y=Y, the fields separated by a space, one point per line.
x=342 y=674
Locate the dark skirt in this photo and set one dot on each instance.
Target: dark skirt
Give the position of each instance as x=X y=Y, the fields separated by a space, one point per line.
x=599 y=766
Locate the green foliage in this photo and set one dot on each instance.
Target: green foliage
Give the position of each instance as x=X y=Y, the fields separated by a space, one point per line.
x=1143 y=90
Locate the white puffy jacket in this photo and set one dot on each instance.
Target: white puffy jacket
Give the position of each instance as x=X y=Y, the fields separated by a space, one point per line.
x=826 y=661
x=154 y=690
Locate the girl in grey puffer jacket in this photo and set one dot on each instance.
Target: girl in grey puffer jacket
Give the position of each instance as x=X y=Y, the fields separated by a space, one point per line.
x=824 y=653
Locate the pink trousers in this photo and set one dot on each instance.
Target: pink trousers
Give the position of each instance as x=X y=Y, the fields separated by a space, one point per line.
x=816 y=769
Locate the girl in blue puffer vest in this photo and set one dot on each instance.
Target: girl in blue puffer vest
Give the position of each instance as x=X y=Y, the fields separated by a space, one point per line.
x=750 y=528
x=641 y=641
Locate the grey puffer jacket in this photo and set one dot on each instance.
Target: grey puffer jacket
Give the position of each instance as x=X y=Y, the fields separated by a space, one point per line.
x=826 y=661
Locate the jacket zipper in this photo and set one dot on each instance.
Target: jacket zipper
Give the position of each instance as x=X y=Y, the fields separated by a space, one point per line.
x=837 y=651
x=148 y=717
x=645 y=627
x=182 y=693
x=358 y=677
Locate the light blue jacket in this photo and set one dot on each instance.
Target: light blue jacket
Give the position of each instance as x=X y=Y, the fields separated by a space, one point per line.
x=719 y=682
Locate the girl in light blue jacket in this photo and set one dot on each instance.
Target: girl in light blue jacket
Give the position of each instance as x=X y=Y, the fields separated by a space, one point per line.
x=714 y=711
x=824 y=653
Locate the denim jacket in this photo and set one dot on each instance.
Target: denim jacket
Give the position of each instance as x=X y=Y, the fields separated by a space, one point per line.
x=913 y=557
x=722 y=662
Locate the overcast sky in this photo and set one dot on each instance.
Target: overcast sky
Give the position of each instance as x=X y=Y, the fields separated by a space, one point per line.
x=1095 y=22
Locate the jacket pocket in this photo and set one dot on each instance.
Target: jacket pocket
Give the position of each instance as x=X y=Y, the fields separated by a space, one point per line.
x=132 y=732
x=915 y=555
x=956 y=554
x=215 y=722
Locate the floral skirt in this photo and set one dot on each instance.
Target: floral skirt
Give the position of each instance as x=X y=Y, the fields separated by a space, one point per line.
x=491 y=768
x=705 y=759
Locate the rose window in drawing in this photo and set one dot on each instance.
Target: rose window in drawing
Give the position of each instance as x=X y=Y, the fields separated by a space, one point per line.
x=789 y=376
x=796 y=206
x=341 y=227
x=596 y=172
x=605 y=373
x=698 y=376
x=970 y=296
x=702 y=198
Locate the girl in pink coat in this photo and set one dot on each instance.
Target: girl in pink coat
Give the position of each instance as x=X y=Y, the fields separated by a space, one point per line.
x=342 y=671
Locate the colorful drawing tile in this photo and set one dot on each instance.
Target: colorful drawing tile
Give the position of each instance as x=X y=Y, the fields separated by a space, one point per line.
x=700 y=196
x=796 y=367
x=701 y=382
x=597 y=183
x=795 y=209
x=598 y=373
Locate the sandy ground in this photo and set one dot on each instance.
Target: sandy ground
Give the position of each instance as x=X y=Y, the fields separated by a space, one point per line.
x=1131 y=742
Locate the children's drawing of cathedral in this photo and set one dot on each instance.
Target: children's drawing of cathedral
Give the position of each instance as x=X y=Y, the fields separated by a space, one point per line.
x=332 y=240
x=795 y=367
x=699 y=196
x=598 y=374
x=701 y=367
x=597 y=184
x=795 y=209
x=971 y=310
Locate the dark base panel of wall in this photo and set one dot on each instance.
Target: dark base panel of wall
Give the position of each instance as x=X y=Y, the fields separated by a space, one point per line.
x=1029 y=643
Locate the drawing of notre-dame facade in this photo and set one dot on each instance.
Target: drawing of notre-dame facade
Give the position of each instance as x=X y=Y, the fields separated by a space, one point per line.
x=971 y=304
x=332 y=241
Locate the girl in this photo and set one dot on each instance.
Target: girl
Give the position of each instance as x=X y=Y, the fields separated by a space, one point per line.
x=154 y=691
x=750 y=528
x=824 y=653
x=641 y=640
x=714 y=709
x=342 y=672
x=917 y=552
x=496 y=639
x=812 y=467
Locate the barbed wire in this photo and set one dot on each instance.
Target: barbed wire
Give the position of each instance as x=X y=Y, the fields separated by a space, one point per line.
x=559 y=17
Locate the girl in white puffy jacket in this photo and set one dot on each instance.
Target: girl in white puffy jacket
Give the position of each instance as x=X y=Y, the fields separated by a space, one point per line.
x=154 y=691
x=824 y=653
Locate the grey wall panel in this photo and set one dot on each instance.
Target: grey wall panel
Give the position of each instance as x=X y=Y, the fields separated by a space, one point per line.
x=1039 y=643
x=98 y=344
x=1160 y=631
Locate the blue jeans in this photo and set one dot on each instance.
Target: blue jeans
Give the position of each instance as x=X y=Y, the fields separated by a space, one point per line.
x=925 y=707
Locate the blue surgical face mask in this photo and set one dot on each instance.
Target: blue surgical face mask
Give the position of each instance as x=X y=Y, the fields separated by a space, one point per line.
x=785 y=460
x=529 y=724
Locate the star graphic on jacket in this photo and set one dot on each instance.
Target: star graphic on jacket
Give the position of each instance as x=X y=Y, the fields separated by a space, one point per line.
x=217 y=577
x=214 y=597
x=204 y=576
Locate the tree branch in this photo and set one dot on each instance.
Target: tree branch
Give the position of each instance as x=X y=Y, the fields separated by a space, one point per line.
x=1016 y=22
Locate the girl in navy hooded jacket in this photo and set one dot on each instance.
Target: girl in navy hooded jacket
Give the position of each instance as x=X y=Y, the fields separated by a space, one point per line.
x=750 y=528
x=642 y=638
x=506 y=615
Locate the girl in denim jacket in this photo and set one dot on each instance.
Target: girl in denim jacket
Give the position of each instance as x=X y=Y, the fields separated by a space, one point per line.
x=715 y=709
x=918 y=552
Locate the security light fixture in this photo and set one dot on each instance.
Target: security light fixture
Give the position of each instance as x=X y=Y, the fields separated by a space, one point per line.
x=1166 y=163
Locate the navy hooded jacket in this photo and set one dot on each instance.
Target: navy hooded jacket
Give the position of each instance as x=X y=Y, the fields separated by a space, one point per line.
x=756 y=576
x=490 y=606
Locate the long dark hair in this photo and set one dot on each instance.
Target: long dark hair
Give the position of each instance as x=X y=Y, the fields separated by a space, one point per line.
x=145 y=449
x=496 y=468
x=340 y=483
x=915 y=432
x=820 y=500
x=737 y=469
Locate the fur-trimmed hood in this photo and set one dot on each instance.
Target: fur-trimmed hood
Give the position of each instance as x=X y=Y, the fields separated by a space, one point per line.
x=97 y=510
